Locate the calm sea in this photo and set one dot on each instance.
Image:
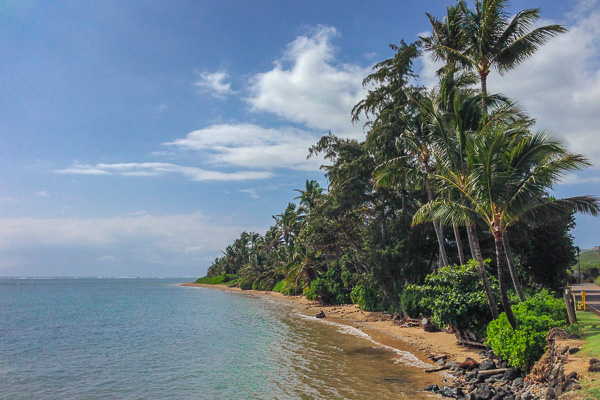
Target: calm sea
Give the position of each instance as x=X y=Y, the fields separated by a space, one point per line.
x=152 y=339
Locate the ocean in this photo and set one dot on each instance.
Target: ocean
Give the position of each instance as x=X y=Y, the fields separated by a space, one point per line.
x=152 y=339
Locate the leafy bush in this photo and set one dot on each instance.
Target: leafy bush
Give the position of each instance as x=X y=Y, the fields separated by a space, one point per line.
x=410 y=300
x=330 y=288
x=216 y=280
x=368 y=295
x=526 y=344
x=454 y=295
x=279 y=286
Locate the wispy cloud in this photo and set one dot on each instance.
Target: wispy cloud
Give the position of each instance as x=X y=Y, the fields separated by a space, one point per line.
x=252 y=146
x=309 y=86
x=251 y=192
x=157 y=169
x=215 y=83
x=43 y=193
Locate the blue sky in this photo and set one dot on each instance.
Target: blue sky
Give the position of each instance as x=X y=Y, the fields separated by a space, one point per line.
x=139 y=138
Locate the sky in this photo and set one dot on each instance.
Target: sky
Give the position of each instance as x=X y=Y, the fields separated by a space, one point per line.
x=140 y=138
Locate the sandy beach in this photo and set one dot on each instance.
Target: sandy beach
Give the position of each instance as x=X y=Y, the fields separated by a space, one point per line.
x=376 y=324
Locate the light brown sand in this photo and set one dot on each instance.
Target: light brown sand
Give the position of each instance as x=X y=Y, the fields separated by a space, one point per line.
x=376 y=324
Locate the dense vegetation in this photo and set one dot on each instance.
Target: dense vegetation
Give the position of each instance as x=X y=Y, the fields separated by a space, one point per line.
x=443 y=176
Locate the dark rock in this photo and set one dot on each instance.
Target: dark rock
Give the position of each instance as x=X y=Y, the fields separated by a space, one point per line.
x=511 y=374
x=550 y=394
x=594 y=368
x=518 y=381
x=572 y=375
x=576 y=386
x=448 y=391
x=594 y=361
x=564 y=350
x=441 y=361
x=503 y=364
x=487 y=364
x=471 y=375
x=320 y=314
x=483 y=354
x=432 y=388
x=484 y=394
x=574 y=350
x=452 y=365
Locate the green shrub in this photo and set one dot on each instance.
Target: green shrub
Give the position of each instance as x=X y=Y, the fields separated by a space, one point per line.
x=454 y=295
x=526 y=344
x=217 y=280
x=368 y=295
x=329 y=288
x=279 y=286
x=410 y=300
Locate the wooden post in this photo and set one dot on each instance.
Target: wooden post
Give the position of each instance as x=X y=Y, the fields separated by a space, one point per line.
x=570 y=306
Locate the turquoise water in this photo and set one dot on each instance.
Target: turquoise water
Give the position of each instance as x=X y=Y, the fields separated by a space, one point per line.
x=152 y=339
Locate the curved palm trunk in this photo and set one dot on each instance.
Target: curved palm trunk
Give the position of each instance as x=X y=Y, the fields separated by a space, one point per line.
x=482 y=272
x=502 y=267
x=471 y=247
x=439 y=232
x=459 y=248
x=512 y=268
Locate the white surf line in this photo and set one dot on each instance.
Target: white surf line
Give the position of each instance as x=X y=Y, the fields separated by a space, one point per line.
x=405 y=357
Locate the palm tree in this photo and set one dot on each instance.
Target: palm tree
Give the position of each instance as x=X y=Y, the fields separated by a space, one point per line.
x=489 y=39
x=508 y=178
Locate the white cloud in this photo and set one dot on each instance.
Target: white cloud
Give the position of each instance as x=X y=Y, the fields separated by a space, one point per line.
x=43 y=193
x=573 y=179
x=559 y=85
x=157 y=169
x=308 y=86
x=251 y=192
x=215 y=83
x=252 y=146
x=171 y=240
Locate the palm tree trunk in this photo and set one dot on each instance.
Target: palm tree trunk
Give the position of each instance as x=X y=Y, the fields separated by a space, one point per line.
x=502 y=267
x=438 y=232
x=471 y=246
x=459 y=248
x=513 y=268
x=482 y=272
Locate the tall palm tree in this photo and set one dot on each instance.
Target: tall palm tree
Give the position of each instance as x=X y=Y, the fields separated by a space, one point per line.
x=489 y=38
x=508 y=178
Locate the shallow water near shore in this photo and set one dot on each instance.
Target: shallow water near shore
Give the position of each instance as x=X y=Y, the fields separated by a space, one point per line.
x=152 y=339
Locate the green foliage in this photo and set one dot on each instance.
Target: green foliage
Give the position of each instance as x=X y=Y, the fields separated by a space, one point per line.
x=526 y=344
x=279 y=286
x=410 y=300
x=330 y=289
x=455 y=296
x=217 y=280
x=368 y=295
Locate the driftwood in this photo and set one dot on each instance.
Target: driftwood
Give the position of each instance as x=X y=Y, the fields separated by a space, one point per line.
x=438 y=369
x=483 y=374
x=408 y=322
x=468 y=338
x=438 y=357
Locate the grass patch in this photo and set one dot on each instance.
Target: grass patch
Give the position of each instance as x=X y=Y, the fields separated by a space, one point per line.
x=226 y=279
x=590 y=325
